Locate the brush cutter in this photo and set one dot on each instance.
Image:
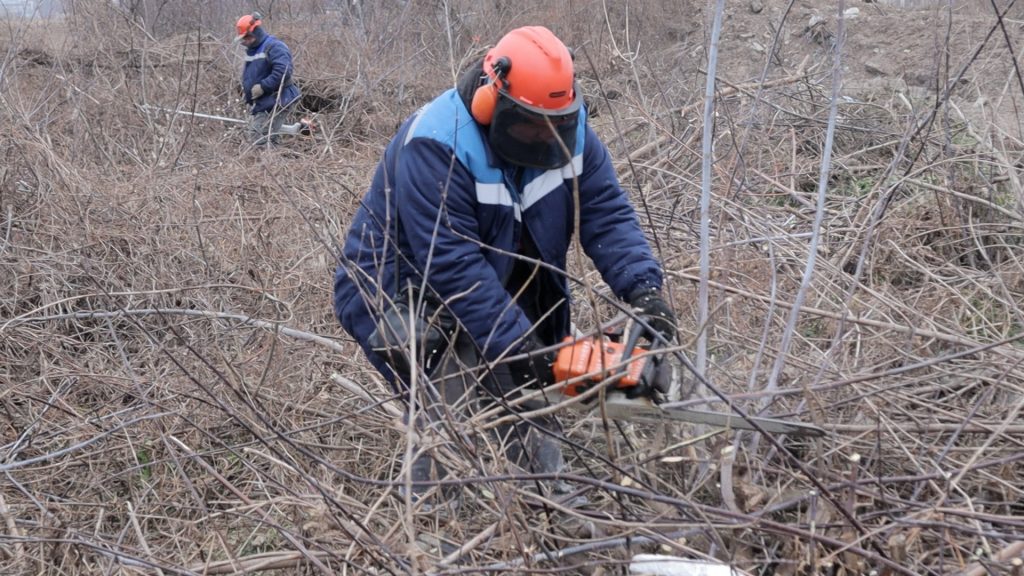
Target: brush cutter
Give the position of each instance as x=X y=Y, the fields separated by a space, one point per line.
x=641 y=382
x=304 y=127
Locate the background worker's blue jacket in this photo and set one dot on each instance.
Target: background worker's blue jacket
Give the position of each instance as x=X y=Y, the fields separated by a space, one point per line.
x=442 y=206
x=268 y=63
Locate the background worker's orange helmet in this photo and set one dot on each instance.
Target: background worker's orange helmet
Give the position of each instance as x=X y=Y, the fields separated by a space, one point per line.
x=246 y=24
x=531 y=101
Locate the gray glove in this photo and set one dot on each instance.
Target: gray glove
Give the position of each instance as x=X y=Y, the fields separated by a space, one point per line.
x=257 y=91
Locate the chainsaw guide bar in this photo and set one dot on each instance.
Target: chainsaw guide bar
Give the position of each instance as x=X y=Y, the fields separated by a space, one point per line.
x=618 y=407
x=641 y=380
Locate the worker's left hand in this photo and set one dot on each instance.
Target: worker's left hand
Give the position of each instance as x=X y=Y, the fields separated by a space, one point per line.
x=652 y=308
x=257 y=91
x=535 y=369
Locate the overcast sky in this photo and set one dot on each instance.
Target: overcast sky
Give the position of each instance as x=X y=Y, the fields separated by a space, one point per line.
x=29 y=8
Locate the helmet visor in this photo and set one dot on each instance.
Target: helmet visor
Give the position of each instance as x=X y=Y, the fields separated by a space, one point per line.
x=534 y=137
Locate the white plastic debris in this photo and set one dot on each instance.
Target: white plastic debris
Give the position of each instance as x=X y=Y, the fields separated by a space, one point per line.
x=659 y=565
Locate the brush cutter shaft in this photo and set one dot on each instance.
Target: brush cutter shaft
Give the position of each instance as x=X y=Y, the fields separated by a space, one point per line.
x=195 y=114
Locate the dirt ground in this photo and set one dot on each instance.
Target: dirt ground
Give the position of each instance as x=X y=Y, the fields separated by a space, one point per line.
x=891 y=54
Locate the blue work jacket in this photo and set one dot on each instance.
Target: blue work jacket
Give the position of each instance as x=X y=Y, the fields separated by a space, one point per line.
x=443 y=207
x=268 y=63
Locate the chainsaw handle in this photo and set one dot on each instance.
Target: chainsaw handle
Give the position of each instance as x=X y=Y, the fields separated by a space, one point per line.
x=633 y=332
x=649 y=381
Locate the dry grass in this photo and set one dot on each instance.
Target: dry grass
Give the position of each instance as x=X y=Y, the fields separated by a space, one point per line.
x=176 y=397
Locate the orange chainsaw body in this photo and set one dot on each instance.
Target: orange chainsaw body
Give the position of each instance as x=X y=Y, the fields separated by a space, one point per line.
x=595 y=358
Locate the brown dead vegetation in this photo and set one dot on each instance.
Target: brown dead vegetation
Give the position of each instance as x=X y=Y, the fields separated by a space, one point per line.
x=176 y=397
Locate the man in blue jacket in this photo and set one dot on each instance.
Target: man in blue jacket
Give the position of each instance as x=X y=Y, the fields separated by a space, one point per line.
x=266 y=80
x=461 y=241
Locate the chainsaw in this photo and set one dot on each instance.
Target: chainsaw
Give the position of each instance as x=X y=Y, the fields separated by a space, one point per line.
x=641 y=383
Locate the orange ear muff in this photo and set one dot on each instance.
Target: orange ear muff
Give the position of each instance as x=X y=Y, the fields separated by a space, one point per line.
x=255 y=20
x=485 y=99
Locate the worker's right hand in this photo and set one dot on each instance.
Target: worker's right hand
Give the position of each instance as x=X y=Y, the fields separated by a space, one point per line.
x=256 y=91
x=652 y=309
x=535 y=368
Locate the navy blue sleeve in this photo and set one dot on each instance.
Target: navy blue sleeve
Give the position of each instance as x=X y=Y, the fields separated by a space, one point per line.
x=437 y=198
x=609 y=229
x=280 y=59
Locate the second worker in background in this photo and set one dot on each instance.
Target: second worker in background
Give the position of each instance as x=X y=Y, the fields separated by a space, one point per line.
x=266 y=81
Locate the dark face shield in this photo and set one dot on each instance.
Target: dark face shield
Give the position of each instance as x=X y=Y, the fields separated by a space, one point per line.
x=534 y=137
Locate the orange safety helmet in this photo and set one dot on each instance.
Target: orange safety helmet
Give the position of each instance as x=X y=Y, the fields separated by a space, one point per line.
x=531 y=65
x=246 y=24
x=531 y=102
